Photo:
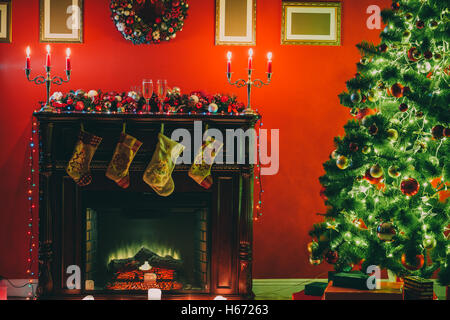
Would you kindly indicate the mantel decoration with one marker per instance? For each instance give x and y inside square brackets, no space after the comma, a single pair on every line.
[149,21]
[97,101]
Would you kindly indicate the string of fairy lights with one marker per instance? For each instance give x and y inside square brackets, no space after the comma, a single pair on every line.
[31,190]
[259,205]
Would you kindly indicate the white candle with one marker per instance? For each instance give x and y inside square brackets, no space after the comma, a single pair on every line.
[154,294]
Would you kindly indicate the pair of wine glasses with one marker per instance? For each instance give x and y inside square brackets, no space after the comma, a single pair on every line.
[148,89]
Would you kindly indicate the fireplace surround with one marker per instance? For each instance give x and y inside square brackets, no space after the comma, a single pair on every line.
[199,241]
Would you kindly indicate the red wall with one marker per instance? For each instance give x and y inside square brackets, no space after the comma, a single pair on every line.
[302,102]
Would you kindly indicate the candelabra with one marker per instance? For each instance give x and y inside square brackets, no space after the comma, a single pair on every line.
[257,83]
[48,80]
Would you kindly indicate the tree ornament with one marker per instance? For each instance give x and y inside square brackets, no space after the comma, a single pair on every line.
[438,132]
[433,24]
[437,57]
[386,231]
[393,172]
[406,35]
[429,242]
[373,95]
[420,24]
[371,179]
[322,194]
[373,129]
[406,91]
[334,154]
[353,147]
[428,55]
[331,256]
[419,114]
[355,97]
[403,107]
[364,60]
[410,187]
[315,261]
[342,162]
[383,48]
[397,90]
[366,150]
[392,134]
[419,261]
[312,246]
[413,54]
[420,146]
[409,16]
[423,66]
[376,171]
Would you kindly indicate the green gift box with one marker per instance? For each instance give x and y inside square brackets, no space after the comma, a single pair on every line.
[351,280]
[315,288]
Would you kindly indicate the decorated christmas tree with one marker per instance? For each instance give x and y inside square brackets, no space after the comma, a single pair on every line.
[386,183]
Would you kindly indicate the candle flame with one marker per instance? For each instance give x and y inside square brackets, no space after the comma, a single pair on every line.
[269,56]
[68,52]
[250,52]
[28,52]
[229,55]
[48,48]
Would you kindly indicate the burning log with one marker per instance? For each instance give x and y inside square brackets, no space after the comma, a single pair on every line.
[133,264]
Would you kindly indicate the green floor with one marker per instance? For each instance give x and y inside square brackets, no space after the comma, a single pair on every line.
[282,289]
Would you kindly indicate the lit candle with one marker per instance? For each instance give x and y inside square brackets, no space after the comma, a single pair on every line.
[48,64]
[229,55]
[250,59]
[28,58]
[154,294]
[68,64]
[269,62]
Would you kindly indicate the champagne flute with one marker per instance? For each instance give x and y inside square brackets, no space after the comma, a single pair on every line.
[161,92]
[147,93]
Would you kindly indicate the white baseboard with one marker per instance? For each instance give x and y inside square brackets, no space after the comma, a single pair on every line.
[19,287]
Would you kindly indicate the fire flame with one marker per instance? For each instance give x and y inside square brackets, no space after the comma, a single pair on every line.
[130,250]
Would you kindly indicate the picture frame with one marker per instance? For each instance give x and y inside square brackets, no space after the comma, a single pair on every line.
[311,23]
[235,23]
[5,22]
[61,21]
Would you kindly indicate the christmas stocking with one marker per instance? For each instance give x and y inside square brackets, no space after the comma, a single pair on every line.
[78,167]
[201,168]
[158,174]
[118,169]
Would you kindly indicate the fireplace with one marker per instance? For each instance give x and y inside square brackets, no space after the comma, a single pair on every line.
[194,244]
[143,241]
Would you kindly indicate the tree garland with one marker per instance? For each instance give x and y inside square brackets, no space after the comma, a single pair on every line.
[149,21]
[132,102]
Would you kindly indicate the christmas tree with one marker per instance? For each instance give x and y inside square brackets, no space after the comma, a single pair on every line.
[386,183]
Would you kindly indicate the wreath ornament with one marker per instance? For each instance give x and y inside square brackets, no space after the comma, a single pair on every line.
[149,21]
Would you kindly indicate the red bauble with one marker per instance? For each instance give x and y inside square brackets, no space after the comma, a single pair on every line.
[413,54]
[79,106]
[410,187]
[383,47]
[386,231]
[403,107]
[419,262]
[438,132]
[322,194]
[353,147]
[331,257]
[397,90]
[447,132]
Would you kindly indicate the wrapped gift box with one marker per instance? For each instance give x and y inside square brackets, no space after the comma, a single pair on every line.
[417,288]
[302,296]
[354,280]
[316,288]
[388,291]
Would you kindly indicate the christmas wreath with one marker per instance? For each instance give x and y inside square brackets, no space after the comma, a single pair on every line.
[132,102]
[149,21]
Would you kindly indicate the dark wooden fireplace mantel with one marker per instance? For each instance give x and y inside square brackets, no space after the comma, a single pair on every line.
[62,225]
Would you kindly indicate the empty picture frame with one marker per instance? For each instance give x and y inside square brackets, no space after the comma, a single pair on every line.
[311,23]
[5,21]
[236,22]
[61,21]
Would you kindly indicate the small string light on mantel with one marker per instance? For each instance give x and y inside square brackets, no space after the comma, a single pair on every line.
[31,187]
[259,205]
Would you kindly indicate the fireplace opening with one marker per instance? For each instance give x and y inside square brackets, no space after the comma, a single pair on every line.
[143,242]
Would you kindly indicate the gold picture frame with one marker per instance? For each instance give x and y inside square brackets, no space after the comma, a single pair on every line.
[235,23]
[61,21]
[311,23]
[5,22]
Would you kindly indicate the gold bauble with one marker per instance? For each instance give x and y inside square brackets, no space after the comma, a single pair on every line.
[392,134]
[342,162]
[376,171]
[393,172]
